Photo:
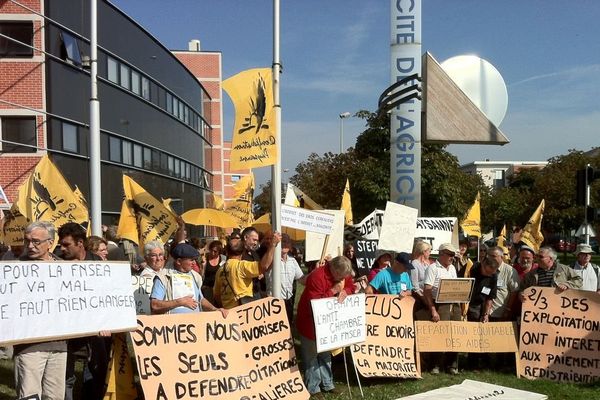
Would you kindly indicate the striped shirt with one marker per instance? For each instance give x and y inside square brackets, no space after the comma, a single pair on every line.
[545,276]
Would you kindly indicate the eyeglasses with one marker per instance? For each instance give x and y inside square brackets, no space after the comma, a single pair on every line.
[36,242]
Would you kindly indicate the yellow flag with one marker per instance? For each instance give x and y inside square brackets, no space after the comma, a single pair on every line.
[254,143]
[532,233]
[471,225]
[13,227]
[215,201]
[303,200]
[127,228]
[120,380]
[47,196]
[241,206]
[290,197]
[501,240]
[153,220]
[347,204]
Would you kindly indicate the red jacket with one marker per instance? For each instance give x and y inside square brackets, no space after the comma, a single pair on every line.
[319,284]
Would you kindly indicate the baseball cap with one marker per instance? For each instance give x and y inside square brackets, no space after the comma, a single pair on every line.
[447,247]
[404,259]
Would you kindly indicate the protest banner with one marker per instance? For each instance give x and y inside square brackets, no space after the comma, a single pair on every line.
[389,348]
[457,290]
[560,335]
[476,390]
[306,220]
[142,287]
[466,337]
[318,244]
[436,231]
[339,324]
[247,356]
[364,251]
[368,228]
[398,230]
[48,300]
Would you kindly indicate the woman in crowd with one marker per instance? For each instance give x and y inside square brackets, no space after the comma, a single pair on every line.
[420,262]
[98,246]
[382,261]
[214,260]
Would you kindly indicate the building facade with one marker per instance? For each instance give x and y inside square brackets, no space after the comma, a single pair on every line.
[495,174]
[156,117]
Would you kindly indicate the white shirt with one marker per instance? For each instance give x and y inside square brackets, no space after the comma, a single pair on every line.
[588,275]
[508,282]
[290,271]
[435,272]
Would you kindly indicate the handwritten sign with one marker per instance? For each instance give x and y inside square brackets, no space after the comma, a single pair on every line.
[306,220]
[339,324]
[457,290]
[142,287]
[249,355]
[466,337]
[365,250]
[436,231]
[40,300]
[398,230]
[560,335]
[315,242]
[389,348]
[368,228]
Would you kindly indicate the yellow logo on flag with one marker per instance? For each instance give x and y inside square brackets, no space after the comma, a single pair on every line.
[254,142]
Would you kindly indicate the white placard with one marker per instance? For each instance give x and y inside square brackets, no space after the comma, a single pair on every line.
[306,220]
[369,228]
[436,231]
[47,300]
[335,245]
[339,324]
[398,229]
[142,287]
[470,389]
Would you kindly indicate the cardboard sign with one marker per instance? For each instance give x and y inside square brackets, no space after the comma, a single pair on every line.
[339,324]
[398,230]
[475,390]
[436,231]
[248,355]
[142,287]
[560,335]
[466,337]
[306,220]
[457,290]
[48,300]
[335,242]
[364,251]
[389,348]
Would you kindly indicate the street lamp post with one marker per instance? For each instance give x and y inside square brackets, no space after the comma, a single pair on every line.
[342,117]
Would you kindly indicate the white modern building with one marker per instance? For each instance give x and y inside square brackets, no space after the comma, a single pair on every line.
[495,174]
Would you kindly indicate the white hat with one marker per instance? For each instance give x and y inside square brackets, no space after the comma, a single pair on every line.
[584,248]
[448,247]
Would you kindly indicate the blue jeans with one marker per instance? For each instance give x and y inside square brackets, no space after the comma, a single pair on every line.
[317,366]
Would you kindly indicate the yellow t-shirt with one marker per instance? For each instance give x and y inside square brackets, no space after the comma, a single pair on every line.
[234,281]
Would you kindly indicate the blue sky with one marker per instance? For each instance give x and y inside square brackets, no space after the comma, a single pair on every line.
[335,55]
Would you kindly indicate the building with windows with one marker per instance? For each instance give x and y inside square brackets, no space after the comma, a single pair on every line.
[156,117]
[495,174]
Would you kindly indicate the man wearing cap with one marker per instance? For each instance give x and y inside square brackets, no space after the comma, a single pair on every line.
[442,269]
[550,273]
[394,279]
[584,268]
[525,262]
[177,290]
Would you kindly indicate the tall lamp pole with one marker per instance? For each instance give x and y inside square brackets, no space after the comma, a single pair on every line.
[343,116]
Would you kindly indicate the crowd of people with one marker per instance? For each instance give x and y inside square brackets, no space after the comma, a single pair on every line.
[194,276]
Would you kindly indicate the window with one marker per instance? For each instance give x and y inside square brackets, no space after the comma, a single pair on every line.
[171,166]
[137,155]
[135,82]
[169,103]
[147,158]
[235,178]
[69,138]
[70,49]
[125,76]
[145,88]
[114,149]
[113,70]
[20,130]
[127,159]
[177,168]
[20,31]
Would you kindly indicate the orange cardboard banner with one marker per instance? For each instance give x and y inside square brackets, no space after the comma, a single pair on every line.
[389,350]
[560,335]
[247,356]
[466,337]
